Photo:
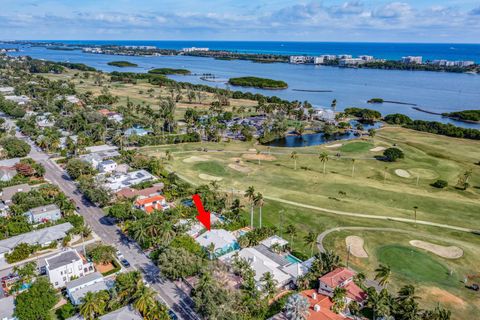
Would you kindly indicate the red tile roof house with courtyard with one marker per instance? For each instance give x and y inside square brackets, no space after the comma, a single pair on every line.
[342,277]
[148,204]
[320,306]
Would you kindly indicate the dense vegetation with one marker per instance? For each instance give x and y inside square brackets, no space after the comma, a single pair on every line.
[364,114]
[36,302]
[255,82]
[167,71]
[375,100]
[397,119]
[466,115]
[122,64]
[444,129]
[14,147]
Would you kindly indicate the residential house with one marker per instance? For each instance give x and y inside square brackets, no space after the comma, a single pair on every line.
[7,173]
[96,157]
[66,266]
[107,166]
[274,240]
[342,277]
[130,193]
[262,259]
[44,214]
[20,100]
[78,288]
[120,181]
[101,148]
[148,204]
[111,115]
[223,242]
[7,308]
[7,90]
[412,59]
[320,308]
[125,313]
[137,131]
[42,237]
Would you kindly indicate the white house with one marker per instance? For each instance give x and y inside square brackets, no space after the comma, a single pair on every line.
[7,308]
[66,266]
[122,180]
[412,59]
[107,166]
[43,214]
[223,242]
[42,237]
[78,288]
[21,100]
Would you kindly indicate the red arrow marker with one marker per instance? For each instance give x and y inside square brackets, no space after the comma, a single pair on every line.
[203,216]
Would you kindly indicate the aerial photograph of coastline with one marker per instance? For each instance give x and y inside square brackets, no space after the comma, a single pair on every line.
[237,160]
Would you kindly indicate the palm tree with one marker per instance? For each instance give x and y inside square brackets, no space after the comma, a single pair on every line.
[144,300]
[211,250]
[297,307]
[310,240]
[338,299]
[324,159]
[250,194]
[334,104]
[294,156]
[93,304]
[353,167]
[292,231]
[330,260]
[258,156]
[269,284]
[383,274]
[259,203]
[374,301]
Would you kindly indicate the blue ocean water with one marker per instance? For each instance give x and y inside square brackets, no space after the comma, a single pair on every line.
[394,51]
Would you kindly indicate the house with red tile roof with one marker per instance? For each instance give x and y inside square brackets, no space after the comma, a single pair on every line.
[342,277]
[320,307]
[149,204]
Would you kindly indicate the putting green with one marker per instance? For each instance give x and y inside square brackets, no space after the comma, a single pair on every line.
[357,146]
[413,264]
[211,167]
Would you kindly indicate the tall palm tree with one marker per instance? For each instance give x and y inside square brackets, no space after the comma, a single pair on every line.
[269,284]
[324,159]
[310,240]
[93,304]
[294,156]
[375,302]
[383,274]
[144,300]
[297,307]
[292,231]
[259,202]
[250,194]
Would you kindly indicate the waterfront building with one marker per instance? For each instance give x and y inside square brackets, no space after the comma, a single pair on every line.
[412,59]
[194,49]
[366,58]
[350,62]
[297,59]
[345,56]
[319,60]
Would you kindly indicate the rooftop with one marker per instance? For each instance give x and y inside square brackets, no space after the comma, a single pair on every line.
[62,259]
[324,305]
[43,209]
[7,307]
[125,313]
[143,201]
[219,237]
[84,280]
[269,242]
[8,192]
[103,147]
[41,236]
[337,276]
[131,193]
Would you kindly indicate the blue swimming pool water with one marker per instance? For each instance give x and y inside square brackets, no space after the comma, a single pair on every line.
[292,259]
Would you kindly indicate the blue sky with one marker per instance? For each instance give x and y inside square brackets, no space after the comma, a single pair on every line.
[355,20]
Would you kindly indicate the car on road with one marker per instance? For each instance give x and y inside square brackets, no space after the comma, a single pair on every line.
[125,263]
[119,255]
[172,314]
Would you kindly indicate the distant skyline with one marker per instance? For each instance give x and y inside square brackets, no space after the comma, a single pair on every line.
[261,20]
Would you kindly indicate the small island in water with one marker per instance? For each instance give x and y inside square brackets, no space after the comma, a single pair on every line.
[122,64]
[167,71]
[261,83]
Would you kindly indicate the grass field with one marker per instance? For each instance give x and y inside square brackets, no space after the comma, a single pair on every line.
[374,189]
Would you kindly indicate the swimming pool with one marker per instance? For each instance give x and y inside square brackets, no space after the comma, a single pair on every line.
[292,259]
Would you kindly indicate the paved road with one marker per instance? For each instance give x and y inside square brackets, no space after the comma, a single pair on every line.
[105,228]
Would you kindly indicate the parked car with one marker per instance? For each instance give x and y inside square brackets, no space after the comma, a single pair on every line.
[172,314]
[119,255]
[125,263]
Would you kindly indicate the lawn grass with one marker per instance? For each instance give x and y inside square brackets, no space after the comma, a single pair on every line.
[356,146]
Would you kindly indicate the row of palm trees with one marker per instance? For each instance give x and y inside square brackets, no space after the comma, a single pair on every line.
[129,289]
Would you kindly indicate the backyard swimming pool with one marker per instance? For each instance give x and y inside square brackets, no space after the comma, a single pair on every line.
[292,259]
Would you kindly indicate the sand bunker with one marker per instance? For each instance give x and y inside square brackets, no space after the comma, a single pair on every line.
[240,168]
[377,149]
[402,173]
[356,246]
[208,177]
[193,159]
[252,150]
[451,252]
[264,157]
[336,145]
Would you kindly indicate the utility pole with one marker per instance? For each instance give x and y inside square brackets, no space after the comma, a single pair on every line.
[348,254]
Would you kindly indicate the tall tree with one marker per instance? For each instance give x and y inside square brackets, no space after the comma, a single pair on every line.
[310,240]
[297,307]
[383,274]
[250,194]
[294,157]
[323,159]
[259,202]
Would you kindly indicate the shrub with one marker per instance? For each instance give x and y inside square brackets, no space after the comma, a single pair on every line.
[393,154]
[440,184]
[397,118]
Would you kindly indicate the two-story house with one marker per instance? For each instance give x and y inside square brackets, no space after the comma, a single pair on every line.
[148,204]
[43,214]
[67,266]
[342,277]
